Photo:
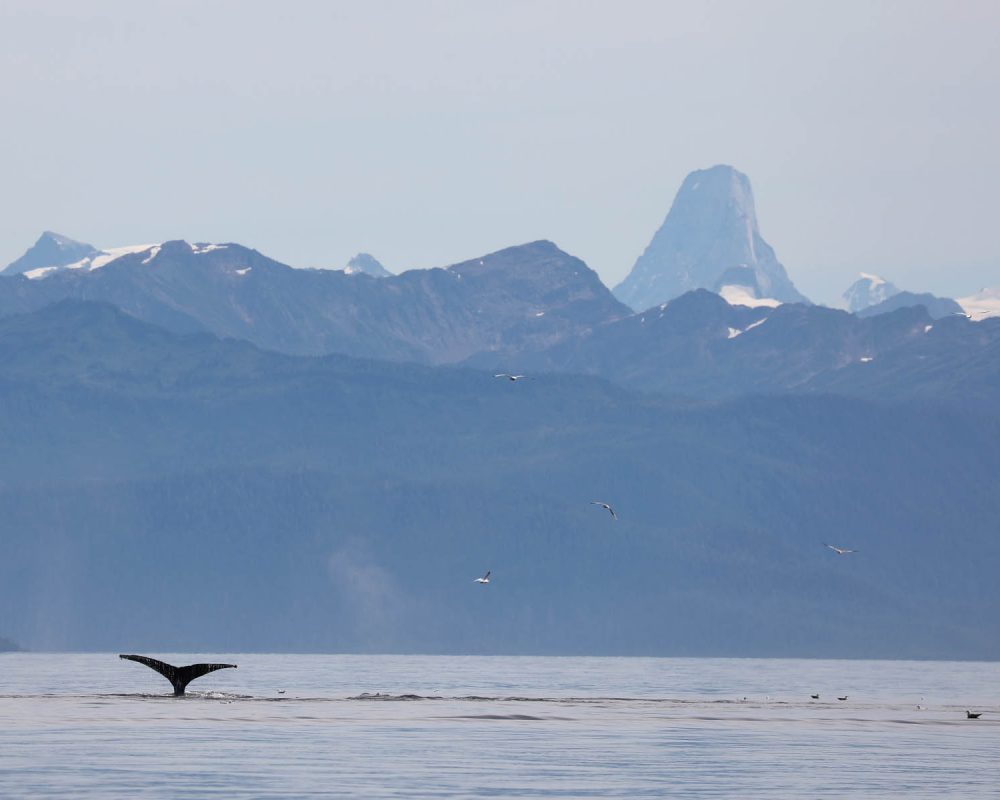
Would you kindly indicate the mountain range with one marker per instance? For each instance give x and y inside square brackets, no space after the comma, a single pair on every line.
[522,297]
[530,307]
[205,448]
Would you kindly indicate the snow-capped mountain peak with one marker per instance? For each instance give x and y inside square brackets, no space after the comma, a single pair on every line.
[54,253]
[91,262]
[868,290]
[365,263]
[52,250]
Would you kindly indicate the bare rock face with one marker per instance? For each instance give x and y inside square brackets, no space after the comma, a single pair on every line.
[711,231]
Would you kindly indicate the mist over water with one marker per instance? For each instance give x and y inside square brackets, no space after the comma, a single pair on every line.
[422,726]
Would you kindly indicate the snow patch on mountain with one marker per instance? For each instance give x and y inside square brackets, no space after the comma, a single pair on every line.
[55,247]
[90,263]
[204,247]
[743,296]
[982,305]
[113,254]
[41,272]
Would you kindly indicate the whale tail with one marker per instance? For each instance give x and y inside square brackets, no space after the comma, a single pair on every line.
[179,677]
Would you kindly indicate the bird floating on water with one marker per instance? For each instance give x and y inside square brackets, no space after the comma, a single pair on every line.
[605,506]
[842,698]
[840,551]
[508,376]
[972,715]
[485,578]
[814,696]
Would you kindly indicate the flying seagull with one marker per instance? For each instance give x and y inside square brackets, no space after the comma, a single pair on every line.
[840,551]
[609,509]
[485,578]
[180,677]
[508,376]
[971,715]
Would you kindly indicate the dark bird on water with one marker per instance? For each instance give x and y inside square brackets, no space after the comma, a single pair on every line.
[842,698]
[179,677]
[606,507]
[971,715]
[814,696]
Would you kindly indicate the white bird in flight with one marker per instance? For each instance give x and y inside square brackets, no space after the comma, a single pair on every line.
[610,510]
[485,578]
[840,551]
[508,376]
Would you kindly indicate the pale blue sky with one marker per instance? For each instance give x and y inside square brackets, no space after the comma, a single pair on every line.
[427,133]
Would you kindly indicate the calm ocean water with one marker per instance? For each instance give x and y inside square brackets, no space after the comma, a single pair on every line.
[89,726]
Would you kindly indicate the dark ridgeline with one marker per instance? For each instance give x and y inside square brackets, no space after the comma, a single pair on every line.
[699,345]
[183,491]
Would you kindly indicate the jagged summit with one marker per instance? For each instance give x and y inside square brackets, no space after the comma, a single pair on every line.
[369,265]
[711,229]
[51,250]
[868,290]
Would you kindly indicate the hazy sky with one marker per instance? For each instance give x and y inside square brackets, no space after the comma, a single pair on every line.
[428,133]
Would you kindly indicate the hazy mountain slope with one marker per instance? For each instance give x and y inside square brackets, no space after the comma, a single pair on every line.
[522,297]
[181,492]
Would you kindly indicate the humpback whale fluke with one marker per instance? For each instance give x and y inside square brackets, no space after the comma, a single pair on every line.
[179,677]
